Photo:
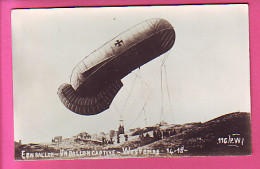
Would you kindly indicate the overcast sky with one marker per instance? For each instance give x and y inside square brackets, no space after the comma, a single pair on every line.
[206,73]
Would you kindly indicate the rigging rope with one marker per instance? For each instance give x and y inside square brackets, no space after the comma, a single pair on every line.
[129,94]
[168,89]
[137,116]
[145,118]
[161,98]
[161,67]
[117,111]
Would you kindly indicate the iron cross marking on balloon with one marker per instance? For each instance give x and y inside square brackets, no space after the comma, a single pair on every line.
[118,43]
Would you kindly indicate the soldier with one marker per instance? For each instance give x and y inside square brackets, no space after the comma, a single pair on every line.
[118,138]
[126,137]
[103,140]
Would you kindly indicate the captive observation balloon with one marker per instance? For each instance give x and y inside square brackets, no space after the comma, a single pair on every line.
[96,80]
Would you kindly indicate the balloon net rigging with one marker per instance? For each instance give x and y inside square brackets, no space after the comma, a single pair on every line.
[158,77]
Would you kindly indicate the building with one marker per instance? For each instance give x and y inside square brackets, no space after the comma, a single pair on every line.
[84,136]
[57,139]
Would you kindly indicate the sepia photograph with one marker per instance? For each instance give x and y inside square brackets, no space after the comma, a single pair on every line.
[131,82]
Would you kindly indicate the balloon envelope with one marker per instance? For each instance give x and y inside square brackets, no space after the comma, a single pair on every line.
[96,80]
